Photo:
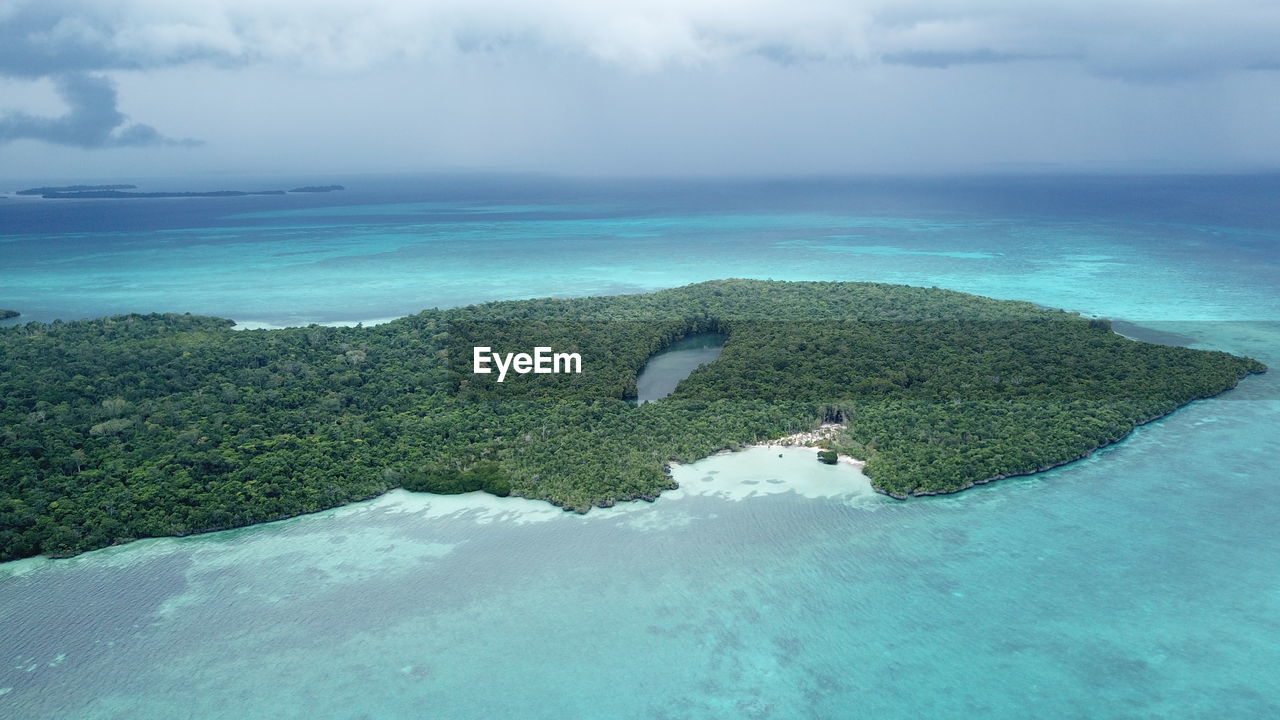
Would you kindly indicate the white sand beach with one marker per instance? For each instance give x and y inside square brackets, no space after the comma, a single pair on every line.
[810,440]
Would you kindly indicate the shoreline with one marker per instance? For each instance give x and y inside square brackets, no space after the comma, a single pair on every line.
[263,325]
[1051,466]
[807,441]
[795,441]
[595,490]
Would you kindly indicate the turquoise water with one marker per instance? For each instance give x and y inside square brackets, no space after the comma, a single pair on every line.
[664,371]
[1141,582]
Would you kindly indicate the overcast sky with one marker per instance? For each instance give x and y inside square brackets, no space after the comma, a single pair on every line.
[636,87]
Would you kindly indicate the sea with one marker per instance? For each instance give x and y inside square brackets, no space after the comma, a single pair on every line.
[1142,582]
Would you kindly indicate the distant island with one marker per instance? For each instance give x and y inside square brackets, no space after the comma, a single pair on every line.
[317,189]
[120,194]
[6,314]
[149,425]
[116,192]
[74,188]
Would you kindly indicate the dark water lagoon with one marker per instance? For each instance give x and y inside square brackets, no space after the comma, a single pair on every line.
[664,371]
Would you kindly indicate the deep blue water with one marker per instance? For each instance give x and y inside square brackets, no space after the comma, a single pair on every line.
[1142,582]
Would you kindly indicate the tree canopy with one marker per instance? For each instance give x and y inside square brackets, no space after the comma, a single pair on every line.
[149,425]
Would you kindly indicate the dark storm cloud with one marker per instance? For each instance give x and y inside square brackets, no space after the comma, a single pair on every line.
[616,84]
[57,37]
[32,47]
[66,40]
[91,121]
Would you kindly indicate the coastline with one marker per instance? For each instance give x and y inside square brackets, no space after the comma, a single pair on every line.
[808,441]
[795,441]
[586,484]
[263,325]
[1045,468]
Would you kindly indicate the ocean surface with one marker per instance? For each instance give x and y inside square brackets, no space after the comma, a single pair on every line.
[1142,582]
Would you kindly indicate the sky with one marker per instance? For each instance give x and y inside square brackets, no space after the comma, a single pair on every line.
[131,88]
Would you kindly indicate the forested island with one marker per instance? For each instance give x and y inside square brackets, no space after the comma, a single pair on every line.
[6,314]
[125,192]
[126,195]
[317,189]
[74,188]
[149,425]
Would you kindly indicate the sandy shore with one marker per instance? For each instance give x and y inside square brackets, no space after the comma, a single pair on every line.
[807,440]
[258,325]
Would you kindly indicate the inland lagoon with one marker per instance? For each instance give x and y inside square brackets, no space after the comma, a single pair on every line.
[674,363]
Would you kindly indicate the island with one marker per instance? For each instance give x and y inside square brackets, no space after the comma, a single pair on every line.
[6,314]
[125,195]
[317,189]
[74,188]
[126,192]
[151,425]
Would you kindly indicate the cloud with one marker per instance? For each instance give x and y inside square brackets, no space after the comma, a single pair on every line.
[273,74]
[1130,39]
[91,121]
[944,59]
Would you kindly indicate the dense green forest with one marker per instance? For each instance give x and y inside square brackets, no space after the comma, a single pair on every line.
[148,425]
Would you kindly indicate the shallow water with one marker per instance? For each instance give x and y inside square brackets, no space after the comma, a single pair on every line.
[1141,582]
